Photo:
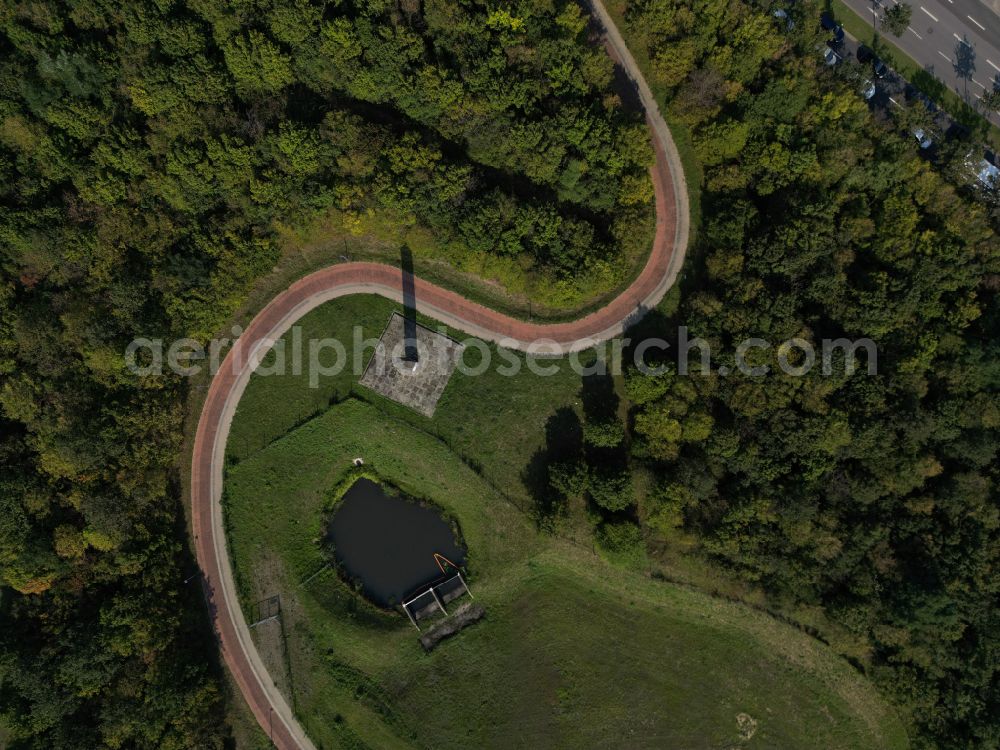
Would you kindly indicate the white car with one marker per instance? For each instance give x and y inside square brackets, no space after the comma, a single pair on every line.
[988,174]
[982,170]
[867,89]
[922,138]
[831,57]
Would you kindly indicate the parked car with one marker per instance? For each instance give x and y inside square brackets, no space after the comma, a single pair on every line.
[830,55]
[867,89]
[867,55]
[829,24]
[922,138]
[912,92]
[984,171]
[989,174]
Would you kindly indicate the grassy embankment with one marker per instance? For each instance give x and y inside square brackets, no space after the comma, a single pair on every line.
[573,651]
[514,286]
[494,422]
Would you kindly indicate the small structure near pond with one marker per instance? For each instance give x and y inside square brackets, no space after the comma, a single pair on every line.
[432,599]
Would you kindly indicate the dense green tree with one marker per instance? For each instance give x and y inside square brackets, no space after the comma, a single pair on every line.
[871,496]
[610,486]
[897,18]
[568,478]
[604,433]
[990,100]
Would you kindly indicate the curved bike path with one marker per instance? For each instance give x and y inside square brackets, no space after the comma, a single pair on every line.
[266,702]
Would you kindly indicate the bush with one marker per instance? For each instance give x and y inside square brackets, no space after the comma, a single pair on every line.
[568,478]
[608,433]
[622,541]
[611,487]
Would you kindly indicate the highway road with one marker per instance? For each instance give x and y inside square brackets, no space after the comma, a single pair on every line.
[957,41]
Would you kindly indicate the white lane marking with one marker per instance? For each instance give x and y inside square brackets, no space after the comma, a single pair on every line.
[961,40]
[929,13]
[894,101]
[976,22]
[993,66]
[978,83]
[944,55]
[914,33]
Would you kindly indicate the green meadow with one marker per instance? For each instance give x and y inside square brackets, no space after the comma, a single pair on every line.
[573,651]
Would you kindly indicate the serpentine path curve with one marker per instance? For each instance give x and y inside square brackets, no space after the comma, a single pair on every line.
[669,246]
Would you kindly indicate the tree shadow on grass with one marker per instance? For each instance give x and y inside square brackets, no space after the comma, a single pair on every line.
[661,340]
[600,402]
[563,442]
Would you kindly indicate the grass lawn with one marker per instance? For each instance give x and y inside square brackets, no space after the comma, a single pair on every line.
[496,423]
[572,653]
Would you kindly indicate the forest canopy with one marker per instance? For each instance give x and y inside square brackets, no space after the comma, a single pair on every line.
[874,498]
[147,152]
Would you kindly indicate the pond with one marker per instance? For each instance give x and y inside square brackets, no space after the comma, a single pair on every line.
[387,542]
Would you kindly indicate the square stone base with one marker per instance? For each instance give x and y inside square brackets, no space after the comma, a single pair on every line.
[417,382]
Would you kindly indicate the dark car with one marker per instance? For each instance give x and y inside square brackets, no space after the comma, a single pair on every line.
[911,93]
[827,22]
[867,55]
[958,132]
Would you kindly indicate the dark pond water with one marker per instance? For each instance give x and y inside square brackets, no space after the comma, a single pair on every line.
[388,542]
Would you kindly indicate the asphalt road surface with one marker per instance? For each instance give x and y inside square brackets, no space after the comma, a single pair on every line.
[957,41]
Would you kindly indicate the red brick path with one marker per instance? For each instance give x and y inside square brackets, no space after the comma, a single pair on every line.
[213,427]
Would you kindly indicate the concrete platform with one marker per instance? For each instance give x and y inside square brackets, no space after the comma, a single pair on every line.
[417,382]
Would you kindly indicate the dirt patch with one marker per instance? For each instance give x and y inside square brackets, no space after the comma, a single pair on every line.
[270,636]
[270,644]
[746,725]
[464,616]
